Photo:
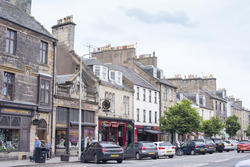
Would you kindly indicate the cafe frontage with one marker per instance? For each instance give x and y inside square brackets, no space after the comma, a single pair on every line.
[119,131]
[147,133]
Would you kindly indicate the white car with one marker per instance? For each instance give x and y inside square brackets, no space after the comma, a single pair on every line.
[165,149]
[228,146]
[235,143]
[245,163]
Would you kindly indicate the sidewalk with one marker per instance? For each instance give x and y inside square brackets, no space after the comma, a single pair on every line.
[22,163]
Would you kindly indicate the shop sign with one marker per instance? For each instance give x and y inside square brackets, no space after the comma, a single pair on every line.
[36,122]
[15,111]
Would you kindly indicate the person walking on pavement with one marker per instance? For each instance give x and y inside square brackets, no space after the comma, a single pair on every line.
[37,144]
[48,148]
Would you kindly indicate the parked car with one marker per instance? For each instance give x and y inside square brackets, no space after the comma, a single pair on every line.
[228,146]
[219,145]
[243,146]
[141,150]
[193,147]
[165,149]
[102,151]
[235,143]
[209,145]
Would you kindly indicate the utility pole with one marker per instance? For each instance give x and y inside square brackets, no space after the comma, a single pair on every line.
[80,112]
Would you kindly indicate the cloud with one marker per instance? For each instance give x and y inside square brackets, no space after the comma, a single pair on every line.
[179,18]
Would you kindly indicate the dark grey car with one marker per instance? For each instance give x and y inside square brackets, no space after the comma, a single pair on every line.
[140,150]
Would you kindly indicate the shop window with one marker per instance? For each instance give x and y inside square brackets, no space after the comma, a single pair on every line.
[43,52]
[4,121]
[15,121]
[11,41]
[9,140]
[60,138]
[61,115]
[9,85]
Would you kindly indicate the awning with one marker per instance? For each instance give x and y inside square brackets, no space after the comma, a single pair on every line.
[153,131]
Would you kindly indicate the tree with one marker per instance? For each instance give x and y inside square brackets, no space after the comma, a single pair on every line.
[232,125]
[212,127]
[181,118]
[248,131]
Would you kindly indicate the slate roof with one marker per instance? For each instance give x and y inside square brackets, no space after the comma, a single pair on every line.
[132,76]
[213,95]
[124,86]
[166,82]
[92,61]
[13,14]
[62,79]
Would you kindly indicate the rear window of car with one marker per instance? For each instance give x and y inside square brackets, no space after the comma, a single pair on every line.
[148,144]
[228,142]
[109,145]
[218,141]
[244,142]
[199,143]
[209,142]
[165,144]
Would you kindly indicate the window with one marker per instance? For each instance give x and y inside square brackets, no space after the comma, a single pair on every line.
[156,117]
[10,42]
[89,116]
[119,78]
[144,94]
[9,139]
[138,93]
[150,96]
[150,116]
[113,103]
[61,115]
[43,52]
[126,105]
[144,115]
[44,91]
[170,94]
[165,93]
[104,73]
[138,114]
[112,75]
[155,97]
[9,85]
[97,71]
[74,115]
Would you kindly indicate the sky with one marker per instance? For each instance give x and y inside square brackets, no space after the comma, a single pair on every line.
[195,37]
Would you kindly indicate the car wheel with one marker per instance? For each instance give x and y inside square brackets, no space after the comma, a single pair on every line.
[238,151]
[242,151]
[171,156]
[83,159]
[119,161]
[137,156]
[96,159]
[192,152]
[210,152]
[228,150]
[179,152]
[154,157]
[104,161]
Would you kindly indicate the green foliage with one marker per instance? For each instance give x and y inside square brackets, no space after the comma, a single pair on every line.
[181,118]
[248,131]
[232,125]
[212,127]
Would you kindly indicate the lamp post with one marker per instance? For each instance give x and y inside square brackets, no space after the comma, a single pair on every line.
[80,110]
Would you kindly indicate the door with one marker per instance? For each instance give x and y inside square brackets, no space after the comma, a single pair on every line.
[135,149]
[128,151]
[184,147]
[89,154]
[190,147]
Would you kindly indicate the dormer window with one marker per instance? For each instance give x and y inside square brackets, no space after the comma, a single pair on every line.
[97,71]
[119,78]
[104,73]
[112,75]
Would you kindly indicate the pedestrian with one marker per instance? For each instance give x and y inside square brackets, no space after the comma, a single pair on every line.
[37,144]
[48,148]
[89,141]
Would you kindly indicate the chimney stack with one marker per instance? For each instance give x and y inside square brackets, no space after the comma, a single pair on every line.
[24,5]
[64,31]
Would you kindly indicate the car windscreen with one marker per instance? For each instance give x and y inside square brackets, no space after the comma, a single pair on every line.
[148,145]
[165,144]
[109,145]
[244,142]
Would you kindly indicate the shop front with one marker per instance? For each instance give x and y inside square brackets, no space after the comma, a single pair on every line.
[147,133]
[118,131]
[14,131]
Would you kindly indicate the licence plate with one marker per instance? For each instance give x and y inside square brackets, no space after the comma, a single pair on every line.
[228,145]
[219,144]
[211,147]
[202,149]
[114,155]
[169,152]
[151,153]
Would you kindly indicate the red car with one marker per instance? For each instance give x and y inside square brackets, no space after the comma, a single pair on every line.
[243,146]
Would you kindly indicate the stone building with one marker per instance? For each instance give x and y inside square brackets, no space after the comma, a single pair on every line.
[26,84]
[114,124]
[67,93]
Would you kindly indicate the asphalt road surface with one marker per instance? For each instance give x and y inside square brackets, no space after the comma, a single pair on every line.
[225,159]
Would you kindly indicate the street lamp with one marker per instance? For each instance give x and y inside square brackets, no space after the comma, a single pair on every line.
[80,110]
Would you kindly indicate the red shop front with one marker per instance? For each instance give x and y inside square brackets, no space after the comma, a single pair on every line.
[119,132]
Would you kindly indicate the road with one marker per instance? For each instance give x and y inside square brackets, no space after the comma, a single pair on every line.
[225,159]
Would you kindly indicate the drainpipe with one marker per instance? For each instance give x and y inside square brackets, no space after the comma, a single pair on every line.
[53,91]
